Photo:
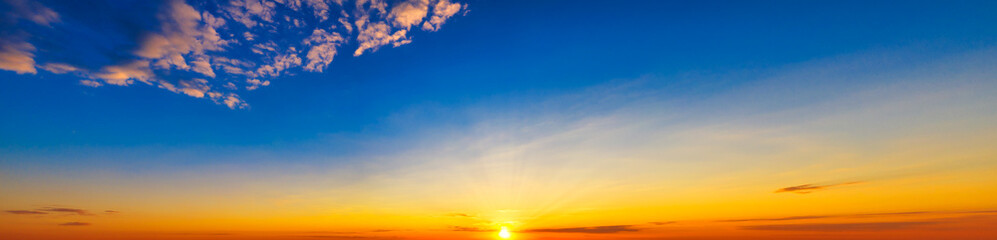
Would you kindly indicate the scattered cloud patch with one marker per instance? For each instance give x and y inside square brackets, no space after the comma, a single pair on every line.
[18,56]
[210,50]
[442,11]
[30,10]
[60,68]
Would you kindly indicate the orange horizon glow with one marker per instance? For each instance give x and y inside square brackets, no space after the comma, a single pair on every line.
[497,120]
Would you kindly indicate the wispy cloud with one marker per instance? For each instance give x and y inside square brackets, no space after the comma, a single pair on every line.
[26,212]
[662,223]
[30,10]
[840,227]
[213,50]
[66,210]
[775,219]
[861,215]
[596,229]
[470,229]
[17,55]
[808,188]
[74,224]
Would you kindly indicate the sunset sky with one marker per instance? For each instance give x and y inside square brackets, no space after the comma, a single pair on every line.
[456,119]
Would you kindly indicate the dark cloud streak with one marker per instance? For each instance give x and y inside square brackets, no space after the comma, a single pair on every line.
[808,188]
[77,224]
[67,210]
[597,229]
[26,212]
[840,227]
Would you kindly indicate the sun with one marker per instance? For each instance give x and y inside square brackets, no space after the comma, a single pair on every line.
[504,233]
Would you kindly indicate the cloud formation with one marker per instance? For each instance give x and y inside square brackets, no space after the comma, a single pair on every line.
[48,210]
[863,215]
[840,227]
[17,56]
[77,224]
[597,229]
[25,212]
[470,229]
[66,210]
[775,219]
[213,50]
[30,10]
[808,188]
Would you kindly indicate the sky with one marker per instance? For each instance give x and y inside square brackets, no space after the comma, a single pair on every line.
[454,119]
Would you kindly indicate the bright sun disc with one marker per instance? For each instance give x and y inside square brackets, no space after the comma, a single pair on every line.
[504,233]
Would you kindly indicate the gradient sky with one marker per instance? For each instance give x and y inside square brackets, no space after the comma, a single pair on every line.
[450,119]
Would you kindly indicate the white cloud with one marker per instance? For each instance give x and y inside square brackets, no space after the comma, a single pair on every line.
[201,65]
[187,53]
[90,83]
[377,34]
[32,11]
[345,22]
[408,13]
[212,21]
[248,36]
[269,47]
[320,8]
[233,101]
[182,33]
[248,11]
[368,5]
[323,49]
[256,83]
[292,4]
[60,68]
[280,63]
[17,56]
[195,88]
[123,74]
[442,10]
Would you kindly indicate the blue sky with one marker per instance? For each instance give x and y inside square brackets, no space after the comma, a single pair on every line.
[497,55]
[451,119]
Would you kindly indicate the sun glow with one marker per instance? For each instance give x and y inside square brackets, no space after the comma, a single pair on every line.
[504,233]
